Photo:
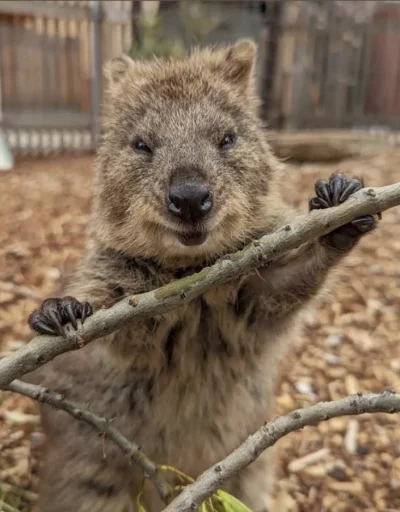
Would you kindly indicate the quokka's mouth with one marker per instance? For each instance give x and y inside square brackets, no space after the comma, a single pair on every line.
[192,238]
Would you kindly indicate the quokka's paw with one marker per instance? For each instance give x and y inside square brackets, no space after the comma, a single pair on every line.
[332,193]
[54,314]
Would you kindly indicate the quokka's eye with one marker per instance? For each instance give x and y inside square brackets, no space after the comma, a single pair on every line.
[228,141]
[140,146]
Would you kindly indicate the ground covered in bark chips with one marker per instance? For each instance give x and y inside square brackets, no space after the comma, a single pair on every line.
[351,344]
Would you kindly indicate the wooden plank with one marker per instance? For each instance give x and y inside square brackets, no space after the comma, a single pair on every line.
[324,145]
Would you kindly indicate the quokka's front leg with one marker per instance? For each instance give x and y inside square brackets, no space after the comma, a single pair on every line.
[285,285]
[332,193]
[54,313]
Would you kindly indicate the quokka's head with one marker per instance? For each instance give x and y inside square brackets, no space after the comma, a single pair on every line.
[184,168]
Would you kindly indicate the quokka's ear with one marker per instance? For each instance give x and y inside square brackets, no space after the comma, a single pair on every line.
[238,62]
[117,68]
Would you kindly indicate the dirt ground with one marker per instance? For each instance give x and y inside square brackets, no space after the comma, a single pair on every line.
[350,345]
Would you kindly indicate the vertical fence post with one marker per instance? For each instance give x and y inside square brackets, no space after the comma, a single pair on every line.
[96,20]
[270,41]
[365,72]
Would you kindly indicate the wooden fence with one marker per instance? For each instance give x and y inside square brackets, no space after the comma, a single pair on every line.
[326,63]
[41,69]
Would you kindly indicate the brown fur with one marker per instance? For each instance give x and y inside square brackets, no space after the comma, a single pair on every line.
[191,385]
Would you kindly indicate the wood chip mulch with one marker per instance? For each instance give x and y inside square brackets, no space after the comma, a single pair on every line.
[350,344]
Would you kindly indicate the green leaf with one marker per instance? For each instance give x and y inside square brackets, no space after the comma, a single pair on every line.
[230,503]
[140,507]
[202,507]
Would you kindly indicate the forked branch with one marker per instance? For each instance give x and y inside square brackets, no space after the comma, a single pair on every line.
[213,478]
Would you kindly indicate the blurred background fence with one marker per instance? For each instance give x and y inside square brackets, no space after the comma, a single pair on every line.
[322,63]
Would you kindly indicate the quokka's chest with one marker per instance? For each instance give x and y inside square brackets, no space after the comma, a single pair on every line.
[209,328]
[208,332]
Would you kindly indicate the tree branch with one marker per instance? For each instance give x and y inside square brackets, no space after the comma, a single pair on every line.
[213,478]
[102,425]
[320,222]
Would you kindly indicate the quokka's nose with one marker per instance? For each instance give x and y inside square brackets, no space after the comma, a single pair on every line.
[190,202]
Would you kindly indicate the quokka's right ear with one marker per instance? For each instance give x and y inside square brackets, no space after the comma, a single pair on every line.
[237,65]
[117,68]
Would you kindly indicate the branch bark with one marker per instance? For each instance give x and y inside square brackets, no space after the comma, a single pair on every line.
[102,425]
[320,222]
[213,478]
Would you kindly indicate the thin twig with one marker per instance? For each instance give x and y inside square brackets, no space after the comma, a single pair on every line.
[320,222]
[129,448]
[213,478]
